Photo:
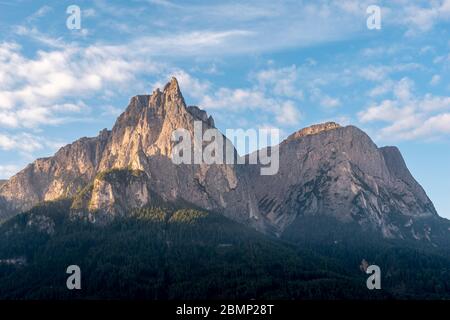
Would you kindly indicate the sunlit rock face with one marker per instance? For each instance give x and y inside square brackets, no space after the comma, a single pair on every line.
[324,169]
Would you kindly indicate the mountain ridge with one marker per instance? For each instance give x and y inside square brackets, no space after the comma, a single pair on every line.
[324,169]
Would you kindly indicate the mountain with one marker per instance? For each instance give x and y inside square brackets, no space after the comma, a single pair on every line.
[325,171]
[333,171]
[137,150]
[2,182]
[117,206]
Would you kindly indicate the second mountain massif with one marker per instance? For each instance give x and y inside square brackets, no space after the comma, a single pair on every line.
[121,209]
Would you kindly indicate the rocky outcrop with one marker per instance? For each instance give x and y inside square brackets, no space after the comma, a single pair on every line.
[314,129]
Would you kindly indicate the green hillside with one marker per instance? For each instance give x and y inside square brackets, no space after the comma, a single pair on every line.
[189,254]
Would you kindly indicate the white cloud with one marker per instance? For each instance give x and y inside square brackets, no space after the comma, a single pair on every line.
[87,13]
[164,3]
[373,73]
[251,26]
[381,89]
[402,90]
[45,89]
[41,12]
[36,35]
[378,73]
[26,143]
[190,85]
[265,95]
[329,102]
[406,116]
[288,115]
[324,100]
[194,43]
[441,59]
[423,18]
[439,124]
[282,81]
[435,79]
[110,110]
[32,88]
[35,116]
[7,171]
[68,71]
[237,99]
[387,110]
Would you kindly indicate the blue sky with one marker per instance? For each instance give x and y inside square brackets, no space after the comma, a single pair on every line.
[251,64]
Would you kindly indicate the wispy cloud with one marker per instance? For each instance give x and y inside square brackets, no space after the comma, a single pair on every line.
[41,12]
[26,143]
[7,170]
[424,16]
[42,90]
[407,116]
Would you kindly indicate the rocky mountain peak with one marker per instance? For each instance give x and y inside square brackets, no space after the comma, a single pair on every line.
[172,91]
[314,129]
[172,86]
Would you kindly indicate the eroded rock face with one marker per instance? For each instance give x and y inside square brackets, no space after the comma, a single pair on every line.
[339,171]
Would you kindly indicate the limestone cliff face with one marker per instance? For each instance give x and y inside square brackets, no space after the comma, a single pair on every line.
[339,171]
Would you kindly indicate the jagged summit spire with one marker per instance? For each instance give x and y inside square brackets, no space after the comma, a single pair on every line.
[173,93]
[172,86]
[170,94]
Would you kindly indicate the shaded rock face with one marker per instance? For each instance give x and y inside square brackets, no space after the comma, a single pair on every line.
[325,170]
[340,172]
